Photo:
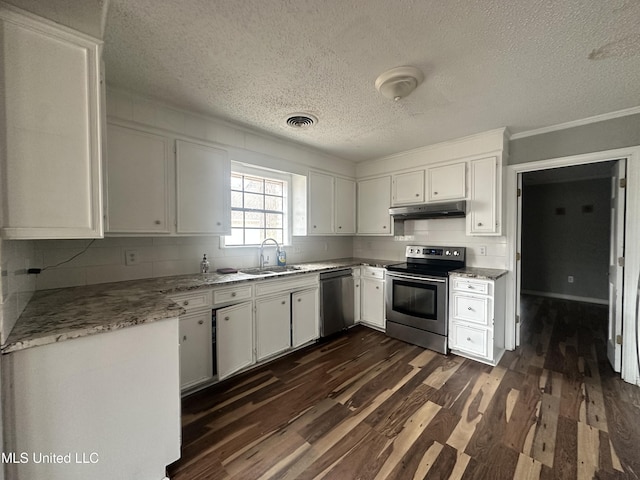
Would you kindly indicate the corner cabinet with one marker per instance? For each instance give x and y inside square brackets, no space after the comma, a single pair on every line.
[203,189]
[485,206]
[477,318]
[374,199]
[51,130]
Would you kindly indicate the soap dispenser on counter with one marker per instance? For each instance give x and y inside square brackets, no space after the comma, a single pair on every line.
[282,257]
[204,264]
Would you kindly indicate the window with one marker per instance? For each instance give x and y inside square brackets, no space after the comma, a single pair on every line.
[259,206]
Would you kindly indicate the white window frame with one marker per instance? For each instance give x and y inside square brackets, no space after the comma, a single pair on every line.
[258,171]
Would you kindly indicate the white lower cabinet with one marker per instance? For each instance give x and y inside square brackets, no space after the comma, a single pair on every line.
[477,318]
[273,325]
[304,316]
[195,348]
[234,338]
[357,287]
[372,297]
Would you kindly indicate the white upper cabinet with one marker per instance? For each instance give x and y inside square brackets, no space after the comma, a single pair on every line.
[345,206]
[51,129]
[447,182]
[321,204]
[332,205]
[203,189]
[374,200]
[137,181]
[484,217]
[408,188]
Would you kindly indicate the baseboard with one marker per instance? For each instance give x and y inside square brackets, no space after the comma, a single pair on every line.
[561,296]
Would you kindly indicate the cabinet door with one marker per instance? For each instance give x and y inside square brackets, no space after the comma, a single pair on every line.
[234,338]
[408,188]
[483,205]
[195,348]
[372,302]
[374,200]
[345,206]
[137,181]
[447,182]
[304,316]
[321,202]
[273,325]
[203,189]
[51,131]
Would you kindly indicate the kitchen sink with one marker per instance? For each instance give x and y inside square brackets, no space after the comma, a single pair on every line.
[269,270]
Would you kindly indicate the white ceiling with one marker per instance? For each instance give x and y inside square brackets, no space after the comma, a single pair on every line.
[524,64]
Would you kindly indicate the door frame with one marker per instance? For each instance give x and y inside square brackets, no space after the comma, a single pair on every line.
[630,371]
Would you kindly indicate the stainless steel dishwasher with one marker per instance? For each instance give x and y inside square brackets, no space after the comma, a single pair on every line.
[336,301]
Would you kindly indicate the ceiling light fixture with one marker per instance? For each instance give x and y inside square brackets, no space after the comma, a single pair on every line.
[399,82]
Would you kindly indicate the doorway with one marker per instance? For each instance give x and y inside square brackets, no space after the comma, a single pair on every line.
[628,297]
[570,226]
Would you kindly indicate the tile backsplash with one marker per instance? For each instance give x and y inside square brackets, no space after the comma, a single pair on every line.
[16,256]
[104,259]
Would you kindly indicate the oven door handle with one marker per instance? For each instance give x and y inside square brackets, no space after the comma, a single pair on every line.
[411,277]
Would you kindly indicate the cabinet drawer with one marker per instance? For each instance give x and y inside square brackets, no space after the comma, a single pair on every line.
[373,272]
[288,284]
[471,309]
[470,339]
[471,285]
[231,294]
[193,301]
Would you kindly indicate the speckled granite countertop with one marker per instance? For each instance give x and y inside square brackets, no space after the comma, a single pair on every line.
[66,313]
[482,273]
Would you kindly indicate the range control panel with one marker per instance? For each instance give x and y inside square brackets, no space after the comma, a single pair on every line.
[435,253]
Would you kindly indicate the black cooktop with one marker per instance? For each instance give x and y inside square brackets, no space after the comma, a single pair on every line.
[421,269]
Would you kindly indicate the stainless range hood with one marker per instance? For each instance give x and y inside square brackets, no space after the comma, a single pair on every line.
[429,210]
[426,211]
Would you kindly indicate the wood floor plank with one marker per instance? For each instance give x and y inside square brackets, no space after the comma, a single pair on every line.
[553,409]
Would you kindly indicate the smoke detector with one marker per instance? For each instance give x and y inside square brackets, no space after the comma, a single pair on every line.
[301,120]
[399,82]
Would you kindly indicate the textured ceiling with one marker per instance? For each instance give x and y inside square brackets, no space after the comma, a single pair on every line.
[524,64]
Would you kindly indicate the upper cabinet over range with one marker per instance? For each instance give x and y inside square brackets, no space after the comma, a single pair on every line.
[51,133]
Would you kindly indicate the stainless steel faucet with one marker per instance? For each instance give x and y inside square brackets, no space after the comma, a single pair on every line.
[262,249]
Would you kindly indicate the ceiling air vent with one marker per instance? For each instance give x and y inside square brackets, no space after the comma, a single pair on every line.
[301,120]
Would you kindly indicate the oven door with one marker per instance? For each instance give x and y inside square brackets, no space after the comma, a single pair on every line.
[419,302]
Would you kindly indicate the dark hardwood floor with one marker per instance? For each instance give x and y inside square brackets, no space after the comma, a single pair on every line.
[365,406]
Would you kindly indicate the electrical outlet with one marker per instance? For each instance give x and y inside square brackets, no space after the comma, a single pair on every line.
[131,257]
[482,250]
[570,279]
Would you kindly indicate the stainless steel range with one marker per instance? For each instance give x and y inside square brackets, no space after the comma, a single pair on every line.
[416,295]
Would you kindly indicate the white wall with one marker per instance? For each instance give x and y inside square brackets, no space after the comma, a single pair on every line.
[441,232]
[163,256]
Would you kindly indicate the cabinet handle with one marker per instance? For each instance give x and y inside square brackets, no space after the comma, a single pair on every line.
[226,319]
[417,194]
[233,294]
[479,224]
[340,227]
[384,227]
[157,222]
[315,226]
[200,322]
[299,299]
[357,286]
[184,338]
[470,309]
[435,193]
[468,339]
[185,303]
[377,287]
[470,286]
[283,302]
